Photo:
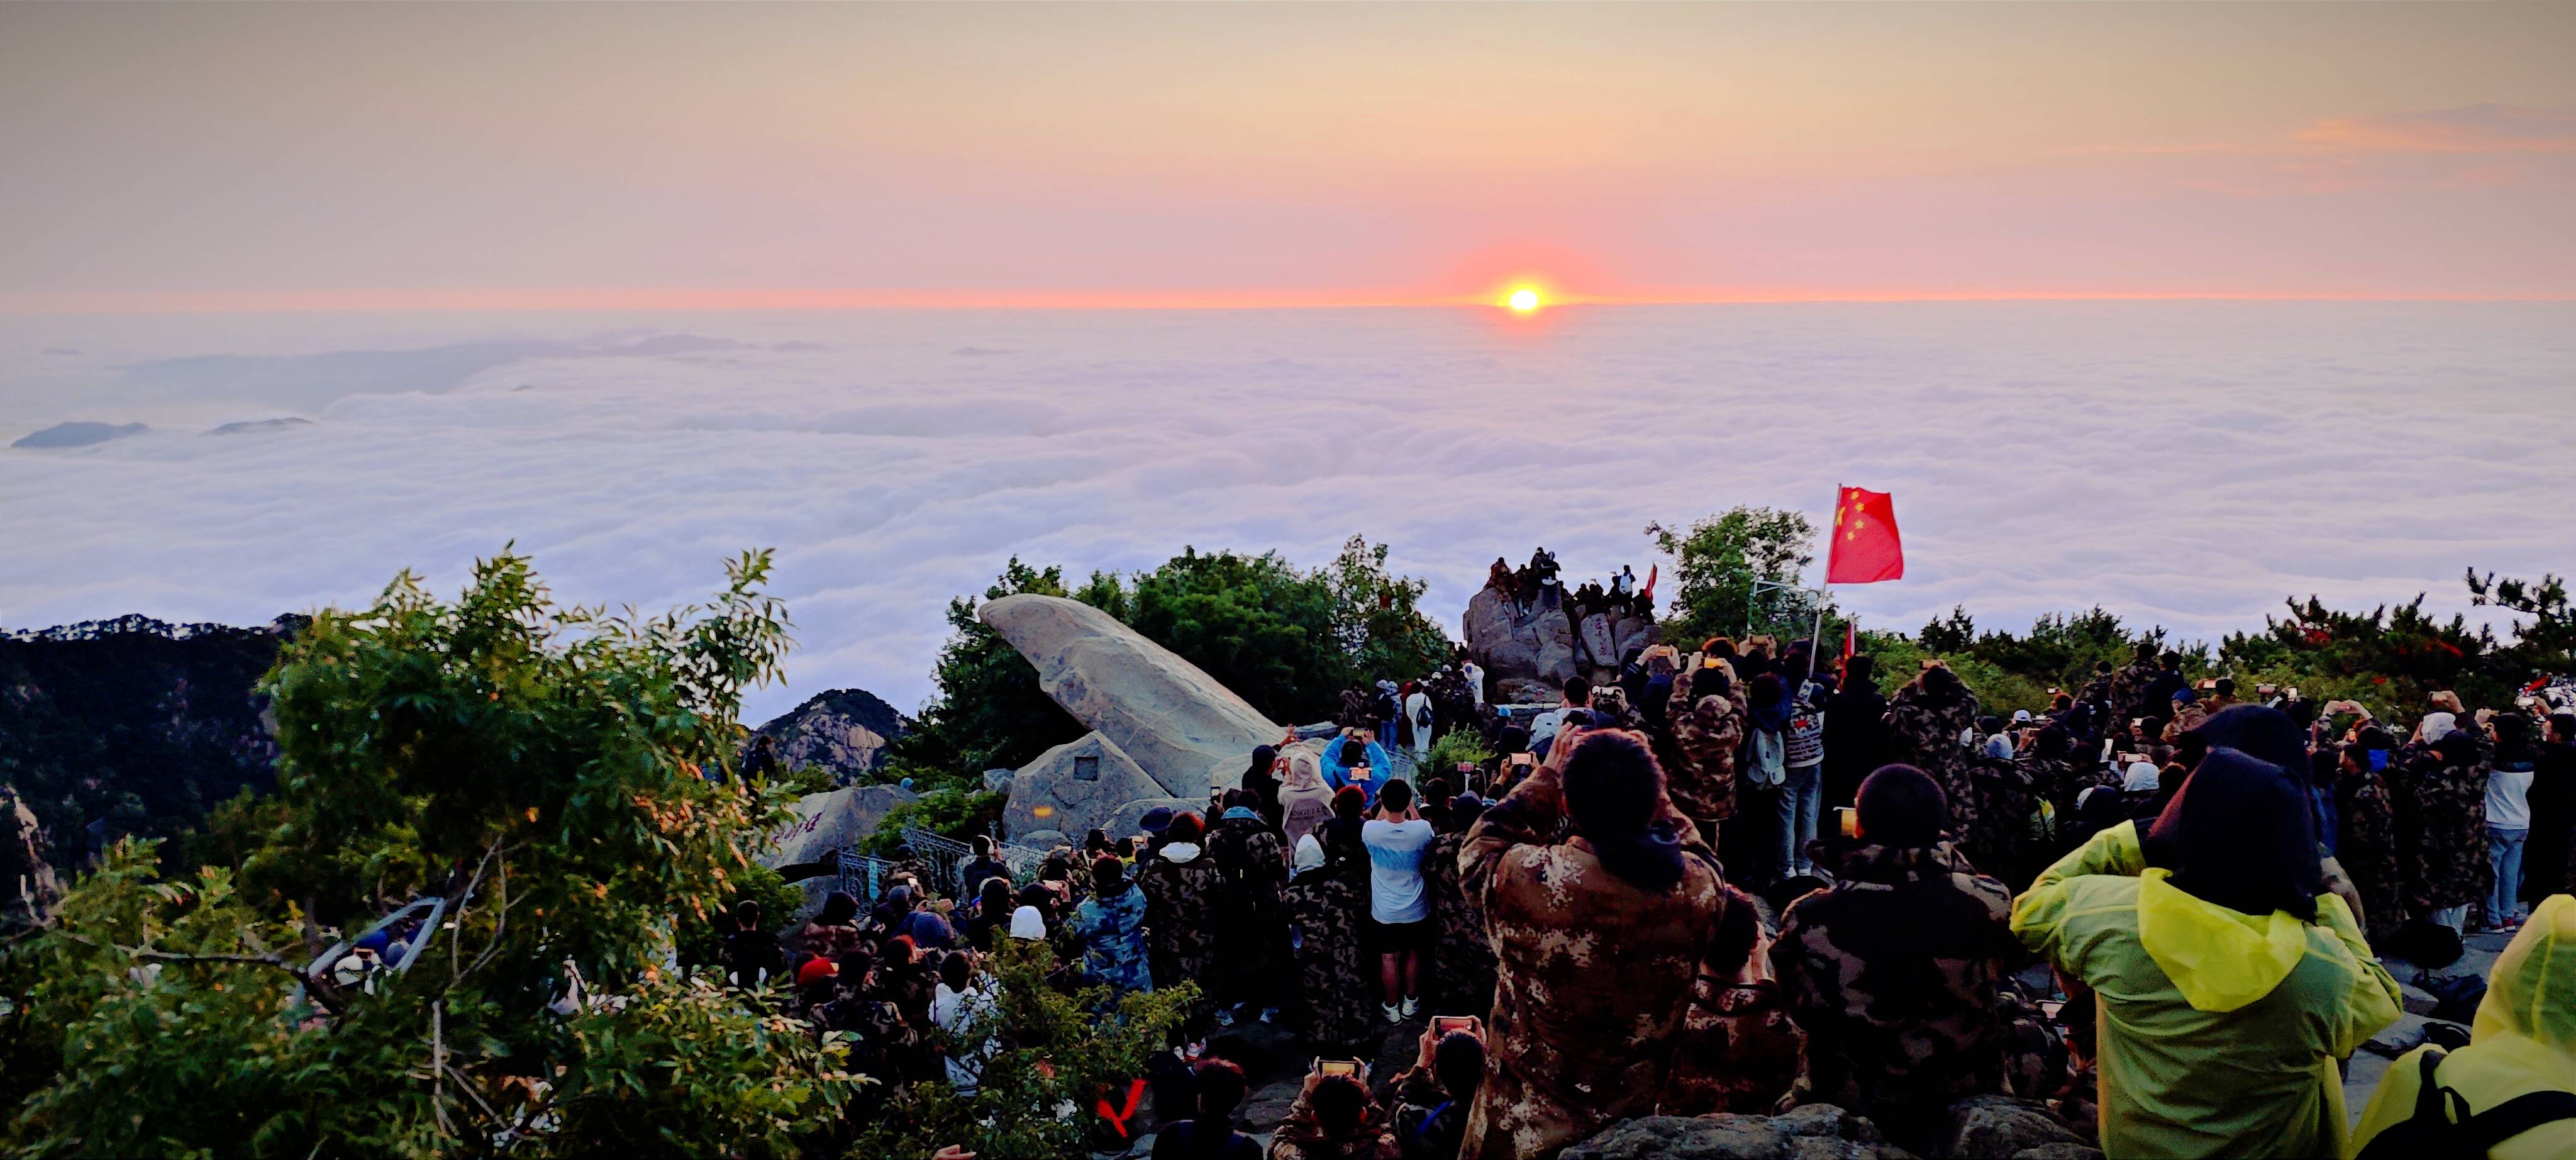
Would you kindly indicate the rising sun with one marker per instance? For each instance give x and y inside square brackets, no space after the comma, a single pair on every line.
[1523,300]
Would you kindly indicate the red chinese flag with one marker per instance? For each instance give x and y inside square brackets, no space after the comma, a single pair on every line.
[1865,548]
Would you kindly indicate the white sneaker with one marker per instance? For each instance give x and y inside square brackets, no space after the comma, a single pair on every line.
[1410,1006]
[1392,1015]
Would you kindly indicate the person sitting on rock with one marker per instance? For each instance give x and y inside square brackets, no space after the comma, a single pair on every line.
[1432,1097]
[1893,971]
[2227,980]
[1739,1049]
[1334,1119]
[2524,1043]
[1212,1135]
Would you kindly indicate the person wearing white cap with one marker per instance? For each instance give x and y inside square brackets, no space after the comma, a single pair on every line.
[1028,924]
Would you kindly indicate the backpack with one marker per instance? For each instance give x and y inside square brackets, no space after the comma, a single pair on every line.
[2456,996]
[2432,1132]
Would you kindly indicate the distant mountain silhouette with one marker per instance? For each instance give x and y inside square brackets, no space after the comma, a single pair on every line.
[79,434]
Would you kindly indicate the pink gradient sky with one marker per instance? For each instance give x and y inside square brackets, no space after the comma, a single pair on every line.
[249,156]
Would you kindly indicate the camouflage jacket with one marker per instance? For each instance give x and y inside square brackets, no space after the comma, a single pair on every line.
[2129,694]
[1182,901]
[1338,985]
[2367,847]
[1894,973]
[1740,1051]
[1462,961]
[2446,863]
[1923,729]
[1594,974]
[1709,731]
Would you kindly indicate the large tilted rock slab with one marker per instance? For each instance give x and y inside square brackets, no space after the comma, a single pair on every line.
[1186,731]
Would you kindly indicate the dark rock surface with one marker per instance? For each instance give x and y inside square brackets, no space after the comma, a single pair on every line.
[1813,1132]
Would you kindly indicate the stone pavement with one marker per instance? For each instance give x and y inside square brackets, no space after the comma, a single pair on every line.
[2361,1076]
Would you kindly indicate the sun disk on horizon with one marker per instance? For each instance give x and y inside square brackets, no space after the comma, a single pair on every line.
[1522,300]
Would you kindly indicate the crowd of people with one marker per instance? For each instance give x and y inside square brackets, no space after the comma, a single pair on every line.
[1739,880]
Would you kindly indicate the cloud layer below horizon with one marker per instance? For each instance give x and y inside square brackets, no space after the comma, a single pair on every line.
[2184,464]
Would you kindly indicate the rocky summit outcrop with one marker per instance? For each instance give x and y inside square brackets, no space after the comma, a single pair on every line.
[1813,1132]
[1609,639]
[825,822]
[1527,653]
[1185,731]
[842,731]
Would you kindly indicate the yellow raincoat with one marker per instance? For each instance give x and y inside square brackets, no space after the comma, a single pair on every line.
[2524,1041]
[2219,1031]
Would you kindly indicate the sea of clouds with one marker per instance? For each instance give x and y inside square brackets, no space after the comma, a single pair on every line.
[2189,464]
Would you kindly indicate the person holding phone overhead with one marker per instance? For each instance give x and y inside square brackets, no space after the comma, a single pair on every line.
[1597,936]
[1431,1098]
[1399,910]
[1333,1118]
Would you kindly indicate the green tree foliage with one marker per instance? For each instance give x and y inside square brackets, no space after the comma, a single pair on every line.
[1717,559]
[1049,1055]
[1378,617]
[990,712]
[1286,639]
[1258,624]
[2386,658]
[538,766]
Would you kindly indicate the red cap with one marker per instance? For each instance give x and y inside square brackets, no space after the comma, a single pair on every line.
[815,969]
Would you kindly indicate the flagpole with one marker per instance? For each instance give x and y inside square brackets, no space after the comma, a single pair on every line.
[1825,590]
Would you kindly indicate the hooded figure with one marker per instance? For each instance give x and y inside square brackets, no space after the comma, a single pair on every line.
[1706,713]
[2445,813]
[2227,985]
[1304,800]
[1027,924]
[1183,893]
[1893,970]
[1324,903]
[1924,721]
[1263,780]
[1462,961]
[1597,938]
[2524,1042]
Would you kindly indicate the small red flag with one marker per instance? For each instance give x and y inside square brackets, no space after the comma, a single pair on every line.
[1865,548]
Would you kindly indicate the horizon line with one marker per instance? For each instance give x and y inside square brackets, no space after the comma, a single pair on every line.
[725,301]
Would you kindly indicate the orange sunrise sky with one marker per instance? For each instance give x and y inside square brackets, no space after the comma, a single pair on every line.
[250,156]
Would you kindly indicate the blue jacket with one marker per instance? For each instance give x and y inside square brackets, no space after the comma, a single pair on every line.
[1113,939]
[1336,769]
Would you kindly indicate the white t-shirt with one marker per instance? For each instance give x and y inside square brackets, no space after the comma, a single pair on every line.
[1395,869]
[2508,799]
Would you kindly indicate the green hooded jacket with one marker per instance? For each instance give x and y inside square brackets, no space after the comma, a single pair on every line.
[2219,1031]
[2524,1041]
